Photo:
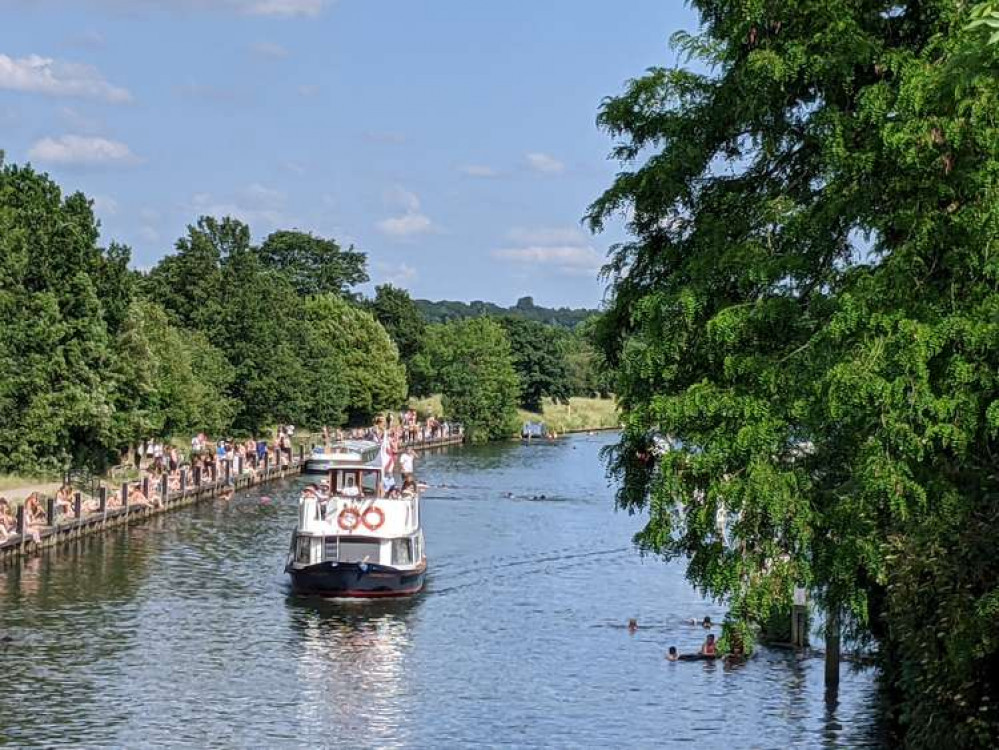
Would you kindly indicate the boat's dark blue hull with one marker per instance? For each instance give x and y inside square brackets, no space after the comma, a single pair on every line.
[355,580]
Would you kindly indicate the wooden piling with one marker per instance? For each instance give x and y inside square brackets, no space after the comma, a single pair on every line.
[832,651]
[102,496]
[50,512]
[78,505]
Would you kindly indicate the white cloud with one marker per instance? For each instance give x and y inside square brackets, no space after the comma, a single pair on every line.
[564,250]
[269,51]
[406,225]
[412,221]
[285,8]
[44,75]
[477,170]
[544,163]
[105,205]
[547,236]
[402,274]
[254,204]
[82,151]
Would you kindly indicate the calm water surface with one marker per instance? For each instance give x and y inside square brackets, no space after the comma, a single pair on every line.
[182,632]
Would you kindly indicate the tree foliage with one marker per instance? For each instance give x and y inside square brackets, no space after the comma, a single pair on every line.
[470,363]
[539,360]
[810,305]
[369,361]
[314,265]
[396,311]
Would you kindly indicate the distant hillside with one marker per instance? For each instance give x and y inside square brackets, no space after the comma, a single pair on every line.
[445,310]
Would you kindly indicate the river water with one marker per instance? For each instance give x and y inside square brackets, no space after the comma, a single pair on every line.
[181,631]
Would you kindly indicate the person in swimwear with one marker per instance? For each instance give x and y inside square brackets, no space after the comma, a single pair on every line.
[632,625]
[672,655]
[709,648]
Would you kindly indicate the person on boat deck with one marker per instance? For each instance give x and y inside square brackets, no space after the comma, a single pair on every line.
[406,461]
[350,489]
[709,648]
[673,655]
[409,487]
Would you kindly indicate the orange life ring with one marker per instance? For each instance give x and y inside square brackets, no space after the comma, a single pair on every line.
[348,518]
[377,524]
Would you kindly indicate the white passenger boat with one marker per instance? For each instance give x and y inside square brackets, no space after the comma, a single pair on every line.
[357,542]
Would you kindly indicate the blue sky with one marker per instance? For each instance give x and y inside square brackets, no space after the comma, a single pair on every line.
[454,141]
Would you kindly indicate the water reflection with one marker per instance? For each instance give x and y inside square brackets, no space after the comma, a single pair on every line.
[352,666]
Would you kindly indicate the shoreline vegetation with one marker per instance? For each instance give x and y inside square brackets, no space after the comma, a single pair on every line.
[580,414]
[225,336]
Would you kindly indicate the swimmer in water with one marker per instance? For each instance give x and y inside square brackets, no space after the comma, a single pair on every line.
[672,655]
[632,625]
[706,623]
[709,649]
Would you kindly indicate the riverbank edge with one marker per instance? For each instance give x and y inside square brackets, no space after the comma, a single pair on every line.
[72,530]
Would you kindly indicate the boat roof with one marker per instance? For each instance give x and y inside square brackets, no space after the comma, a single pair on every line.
[347,452]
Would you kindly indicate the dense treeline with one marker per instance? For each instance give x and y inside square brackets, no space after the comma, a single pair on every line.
[445,311]
[810,306]
[228,337]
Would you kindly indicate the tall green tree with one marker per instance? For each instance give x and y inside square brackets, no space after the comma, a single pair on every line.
[361,356]
[471,364]
[809,303]
[314,265]
[396,311]
[539,359]
[54,342]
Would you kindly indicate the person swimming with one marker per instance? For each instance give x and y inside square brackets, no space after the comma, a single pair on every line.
[706,623]
[672,655]
[632,625]
[709,648]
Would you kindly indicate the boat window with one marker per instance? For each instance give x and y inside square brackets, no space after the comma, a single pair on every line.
[369,483]
[402,552]
[360,550]
[304,547]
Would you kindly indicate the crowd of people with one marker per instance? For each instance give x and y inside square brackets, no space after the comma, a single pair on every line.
[160,463]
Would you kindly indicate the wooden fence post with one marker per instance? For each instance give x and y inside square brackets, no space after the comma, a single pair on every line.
[267,461]
[215,472]
[124,495]
[20,521]
[301,453]
[228,469]
[183,482]
[832,651]
[102,498]
[78,506]
[145,487]
[50,511]
[197,477]
[164,489]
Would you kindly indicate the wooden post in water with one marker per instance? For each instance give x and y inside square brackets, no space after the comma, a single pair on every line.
[102,498]
[21,522]
[78,505]
[124,495]
[799,618]
[832,651]
[183,482]
[50,511]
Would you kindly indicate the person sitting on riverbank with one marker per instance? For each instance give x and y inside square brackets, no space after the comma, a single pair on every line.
[64,501]
[709,648]
[34,513]
[672,655]
[8,524]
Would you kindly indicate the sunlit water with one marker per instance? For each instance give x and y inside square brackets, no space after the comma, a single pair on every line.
[182,632]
